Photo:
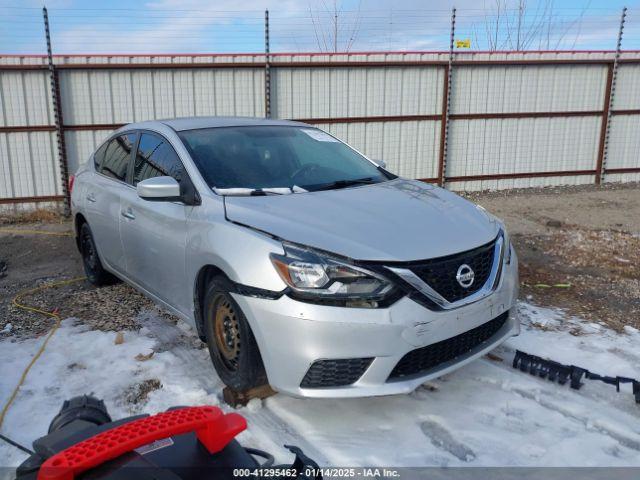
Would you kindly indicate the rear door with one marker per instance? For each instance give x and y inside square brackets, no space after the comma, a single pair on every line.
[154,232]
[102,197]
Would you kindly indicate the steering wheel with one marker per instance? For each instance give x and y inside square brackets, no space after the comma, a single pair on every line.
[302,172]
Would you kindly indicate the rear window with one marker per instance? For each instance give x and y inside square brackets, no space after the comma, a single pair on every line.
[98,157]
[117,156]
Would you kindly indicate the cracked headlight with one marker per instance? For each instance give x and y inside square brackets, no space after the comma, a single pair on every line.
[314,276]
[507,245]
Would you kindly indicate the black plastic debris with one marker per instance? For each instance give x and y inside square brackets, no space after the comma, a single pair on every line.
[558,372]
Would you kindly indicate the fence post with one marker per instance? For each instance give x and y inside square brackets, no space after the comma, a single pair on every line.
[446,99]
[57,114]
[267,68]
[605,129]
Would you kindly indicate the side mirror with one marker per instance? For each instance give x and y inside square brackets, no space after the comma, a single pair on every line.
[159,189]
[381,163]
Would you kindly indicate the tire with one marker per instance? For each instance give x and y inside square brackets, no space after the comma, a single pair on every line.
[93,268]
[232,346]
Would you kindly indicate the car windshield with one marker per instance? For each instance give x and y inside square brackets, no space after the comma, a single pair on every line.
[268,158]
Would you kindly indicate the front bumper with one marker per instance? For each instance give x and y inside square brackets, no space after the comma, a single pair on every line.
[292,335]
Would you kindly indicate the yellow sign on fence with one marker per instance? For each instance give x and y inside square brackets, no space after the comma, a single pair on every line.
[466,43]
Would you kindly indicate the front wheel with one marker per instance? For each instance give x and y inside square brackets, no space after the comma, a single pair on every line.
[232,346]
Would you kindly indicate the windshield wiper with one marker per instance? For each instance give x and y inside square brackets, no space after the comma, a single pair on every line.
[257,192]
[345,183]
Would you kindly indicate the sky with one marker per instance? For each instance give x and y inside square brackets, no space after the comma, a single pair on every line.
[232,26]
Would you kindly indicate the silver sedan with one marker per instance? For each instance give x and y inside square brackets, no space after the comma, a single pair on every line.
[301,262]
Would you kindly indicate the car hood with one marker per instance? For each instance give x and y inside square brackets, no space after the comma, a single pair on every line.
[395,221]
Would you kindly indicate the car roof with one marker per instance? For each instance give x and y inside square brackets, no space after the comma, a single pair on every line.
[193,123]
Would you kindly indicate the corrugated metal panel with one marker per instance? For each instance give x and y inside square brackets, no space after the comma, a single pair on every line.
[25,98]
[81,144]
[409,148]
[112,96]
[627,93]
[356,92]
[624,142]
[29,165]
[482,185]
[622,177]
[502,146]
[499,89]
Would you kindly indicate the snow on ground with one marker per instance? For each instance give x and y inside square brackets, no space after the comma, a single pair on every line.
[485,414]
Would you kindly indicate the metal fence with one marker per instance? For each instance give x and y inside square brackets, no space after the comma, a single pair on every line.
[469,121]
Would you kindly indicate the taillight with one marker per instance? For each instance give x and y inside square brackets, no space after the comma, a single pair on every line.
[72,179]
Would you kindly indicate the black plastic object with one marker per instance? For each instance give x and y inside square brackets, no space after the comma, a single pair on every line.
[335,373]
[180,457]
[424,359]
[85,407]
[440,273]
[558,372]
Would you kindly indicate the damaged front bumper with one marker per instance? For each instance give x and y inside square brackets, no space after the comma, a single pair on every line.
[369,352]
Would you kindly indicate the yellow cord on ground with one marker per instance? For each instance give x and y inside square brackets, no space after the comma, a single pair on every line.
[16,302]
[35,232]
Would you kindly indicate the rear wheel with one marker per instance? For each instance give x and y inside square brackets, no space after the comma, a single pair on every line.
[232,346]
[93,269]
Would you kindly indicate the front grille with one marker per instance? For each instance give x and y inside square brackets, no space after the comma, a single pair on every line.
[440,273]
[335,373]
[423,359]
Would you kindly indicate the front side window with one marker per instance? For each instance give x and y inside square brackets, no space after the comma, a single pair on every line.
[117,156]
[156,158]
[260,157]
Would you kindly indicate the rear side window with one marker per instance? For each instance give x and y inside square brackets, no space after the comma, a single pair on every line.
[98,157]
[156,158]
[117,156]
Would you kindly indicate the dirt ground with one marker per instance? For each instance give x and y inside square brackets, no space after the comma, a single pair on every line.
[579,249]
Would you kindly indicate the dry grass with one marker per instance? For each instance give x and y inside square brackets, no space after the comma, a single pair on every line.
[52,215]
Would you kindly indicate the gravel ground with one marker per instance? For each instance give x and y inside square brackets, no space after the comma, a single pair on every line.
[578,250]
[578,247]
[35,260]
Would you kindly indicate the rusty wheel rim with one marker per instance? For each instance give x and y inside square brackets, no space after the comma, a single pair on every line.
[227,333]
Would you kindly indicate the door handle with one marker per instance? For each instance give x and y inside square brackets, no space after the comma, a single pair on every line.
[128,214]
[91,197]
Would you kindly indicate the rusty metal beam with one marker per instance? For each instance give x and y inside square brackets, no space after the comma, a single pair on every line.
[56,101]
[381,118]
[27,128]
[93,127]
[505,176]
[443,127]
[628,111]
[509,115]
[604,125]
[157,66]
[622,170]
[318,64]
[21,67]
[39,199]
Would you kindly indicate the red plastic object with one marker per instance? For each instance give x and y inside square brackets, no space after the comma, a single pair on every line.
[72,179]
[213,428]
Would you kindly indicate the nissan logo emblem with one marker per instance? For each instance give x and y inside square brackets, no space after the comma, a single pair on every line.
[465,275]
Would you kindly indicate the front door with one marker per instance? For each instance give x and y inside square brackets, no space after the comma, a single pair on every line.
[154,233]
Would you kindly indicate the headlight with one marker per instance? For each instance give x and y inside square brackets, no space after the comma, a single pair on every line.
[507,245]
[315,276]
